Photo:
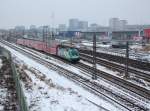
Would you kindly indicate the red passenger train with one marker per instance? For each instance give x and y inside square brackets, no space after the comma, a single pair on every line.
[39,45]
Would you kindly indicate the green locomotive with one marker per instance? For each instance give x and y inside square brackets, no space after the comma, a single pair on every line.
[69,53]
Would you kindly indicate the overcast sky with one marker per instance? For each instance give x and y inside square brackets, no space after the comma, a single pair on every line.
[39,12]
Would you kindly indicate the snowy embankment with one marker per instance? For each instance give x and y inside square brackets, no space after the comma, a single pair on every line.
[46,90]
[44,95]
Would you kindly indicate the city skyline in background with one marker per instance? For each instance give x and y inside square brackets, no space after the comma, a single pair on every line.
[75,24]
[50,12]
[67,23]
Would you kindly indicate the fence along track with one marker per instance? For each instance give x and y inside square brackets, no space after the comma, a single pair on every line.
[83,81]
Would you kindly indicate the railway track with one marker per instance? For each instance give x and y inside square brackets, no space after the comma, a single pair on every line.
[126,84]
[118,67]
[122,52]
[136,89]
[118,59]
[92,85]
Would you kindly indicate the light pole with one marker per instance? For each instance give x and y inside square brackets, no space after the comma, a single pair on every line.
[127,60]
[94,76]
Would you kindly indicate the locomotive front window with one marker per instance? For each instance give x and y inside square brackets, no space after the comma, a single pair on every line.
[74,52]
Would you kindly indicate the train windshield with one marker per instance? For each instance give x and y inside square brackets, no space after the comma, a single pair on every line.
[74,52]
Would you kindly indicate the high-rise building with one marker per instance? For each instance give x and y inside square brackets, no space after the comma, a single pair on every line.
[32,27]
[73,24]
[20,28]
[62,27]
[93,27]
[114,23]
[122,24]
[83,25]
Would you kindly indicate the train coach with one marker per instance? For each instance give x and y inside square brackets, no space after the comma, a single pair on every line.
[70,54]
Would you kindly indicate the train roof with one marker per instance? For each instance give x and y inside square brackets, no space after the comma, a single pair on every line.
[65,46]
[35,39]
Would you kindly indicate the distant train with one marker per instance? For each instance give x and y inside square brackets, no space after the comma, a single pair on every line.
[68,53]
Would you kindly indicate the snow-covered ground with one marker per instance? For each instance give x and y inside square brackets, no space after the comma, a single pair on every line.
[136,47]
[63,82]
[65,95]
[98,45]
[45,95]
